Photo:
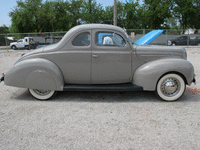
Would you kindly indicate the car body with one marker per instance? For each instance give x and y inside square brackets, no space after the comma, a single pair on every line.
[18,44]
[184,40]
[84,61]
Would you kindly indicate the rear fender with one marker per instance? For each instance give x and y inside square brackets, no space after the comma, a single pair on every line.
[148,74]
[35,73]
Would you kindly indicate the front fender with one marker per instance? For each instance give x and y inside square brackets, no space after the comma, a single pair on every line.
[148,74]
[35,73]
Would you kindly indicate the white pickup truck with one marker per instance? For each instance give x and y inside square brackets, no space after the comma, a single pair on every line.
[26,43]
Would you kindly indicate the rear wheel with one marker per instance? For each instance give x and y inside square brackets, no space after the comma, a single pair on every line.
[170,87]
[27,47]
[42,94]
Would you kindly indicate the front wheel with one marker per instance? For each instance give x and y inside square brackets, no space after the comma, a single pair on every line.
[14,47]
[173,44]
[169,43]
[42,94]
[170,87]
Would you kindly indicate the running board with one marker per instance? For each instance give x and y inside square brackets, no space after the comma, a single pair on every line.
[102,87]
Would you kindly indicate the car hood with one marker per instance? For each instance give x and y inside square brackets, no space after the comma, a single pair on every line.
[13,43]
[149,37]
[153,52]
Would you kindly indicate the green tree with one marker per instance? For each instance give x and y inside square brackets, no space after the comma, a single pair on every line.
[45,17]
[185,12]
[4,29]
[74,10]
[61,15]
[196,19]
[62,20]
[129,15]
[134,15]
[172,23]
[156,12]
[24,16]
[92,12]
[35,16]
[54,16]
[121,14]
[108,15]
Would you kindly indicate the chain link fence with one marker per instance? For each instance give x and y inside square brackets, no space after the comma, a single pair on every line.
[29,40]
[168,37]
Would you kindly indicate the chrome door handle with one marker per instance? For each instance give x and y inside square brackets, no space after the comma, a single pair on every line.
[95,56]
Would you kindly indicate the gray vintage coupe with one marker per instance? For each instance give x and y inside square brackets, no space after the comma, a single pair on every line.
[98,57]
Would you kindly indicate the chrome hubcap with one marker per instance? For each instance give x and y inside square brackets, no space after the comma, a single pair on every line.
[170,87]
[42,92]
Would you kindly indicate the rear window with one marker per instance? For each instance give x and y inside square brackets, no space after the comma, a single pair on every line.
[82,39]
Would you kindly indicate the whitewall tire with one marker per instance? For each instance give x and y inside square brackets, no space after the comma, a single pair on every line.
[42,94]
[170,87]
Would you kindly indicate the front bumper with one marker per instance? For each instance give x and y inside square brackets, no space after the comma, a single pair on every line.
[2,78]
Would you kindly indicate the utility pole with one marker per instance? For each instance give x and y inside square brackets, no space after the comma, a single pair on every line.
[115,13]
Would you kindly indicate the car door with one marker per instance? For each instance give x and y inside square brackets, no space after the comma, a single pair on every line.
[183,40]
[19,43]
[193,41]
[111,57]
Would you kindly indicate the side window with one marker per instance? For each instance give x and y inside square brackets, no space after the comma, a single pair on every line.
[183,37]
[82,39]
[193,38]
[109,39]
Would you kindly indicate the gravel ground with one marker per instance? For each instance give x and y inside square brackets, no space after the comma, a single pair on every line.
[98,120]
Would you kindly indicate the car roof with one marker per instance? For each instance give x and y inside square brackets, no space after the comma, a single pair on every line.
[97,26]
[85,27]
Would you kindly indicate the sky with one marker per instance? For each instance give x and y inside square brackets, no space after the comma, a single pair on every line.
[7,5]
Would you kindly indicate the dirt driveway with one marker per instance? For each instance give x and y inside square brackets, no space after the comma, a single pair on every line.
[98,120]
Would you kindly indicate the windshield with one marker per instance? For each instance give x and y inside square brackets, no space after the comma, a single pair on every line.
[194,37]
[19,41]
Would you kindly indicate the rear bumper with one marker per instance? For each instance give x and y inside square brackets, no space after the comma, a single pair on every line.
[194,79]
[2,78]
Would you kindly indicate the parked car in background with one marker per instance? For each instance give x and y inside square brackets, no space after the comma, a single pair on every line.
[26,43]
[184,40]
[97,57]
